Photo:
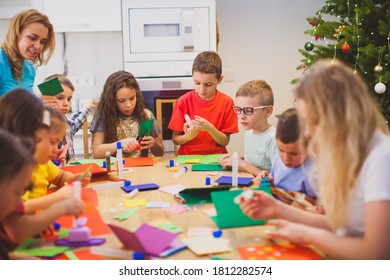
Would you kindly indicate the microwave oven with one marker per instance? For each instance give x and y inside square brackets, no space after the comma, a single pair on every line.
[162,38]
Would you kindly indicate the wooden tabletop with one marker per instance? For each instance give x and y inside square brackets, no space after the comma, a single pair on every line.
[111,204]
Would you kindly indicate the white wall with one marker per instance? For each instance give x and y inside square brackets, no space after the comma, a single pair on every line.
[259,39]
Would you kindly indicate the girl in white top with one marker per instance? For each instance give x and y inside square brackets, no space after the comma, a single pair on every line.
[343,126]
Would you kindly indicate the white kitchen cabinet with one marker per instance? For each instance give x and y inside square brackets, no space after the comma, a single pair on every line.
[82,15]
[9,8]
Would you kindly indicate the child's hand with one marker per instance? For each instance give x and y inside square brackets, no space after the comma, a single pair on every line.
[63,193]
[71,206]
[202,124]
[264,174]
[190,132]
[225,161]
[85,180]
[130,144]
[147,142]
[50,101]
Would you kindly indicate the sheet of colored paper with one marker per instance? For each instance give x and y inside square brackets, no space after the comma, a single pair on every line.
[95,223]
[207,245]
[126,214]
[147,239]
[131,203]
[80,168]
[175,209]
[181,159]
[171,228]
[84,254]
[84,161]
[227,180]
[46,252]
[207,167]
[51,88]
[278,252]
[173,189]
[141,161]
[155,240]
[229,214]
[145,128]
[200,195]
[200,231]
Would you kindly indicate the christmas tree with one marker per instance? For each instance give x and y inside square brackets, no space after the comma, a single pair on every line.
[357,33]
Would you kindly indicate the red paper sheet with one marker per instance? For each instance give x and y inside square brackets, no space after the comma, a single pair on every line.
[84,254]
[80,168]
[141,161]
[95,223]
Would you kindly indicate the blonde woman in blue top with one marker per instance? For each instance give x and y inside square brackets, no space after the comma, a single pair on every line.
[29,43]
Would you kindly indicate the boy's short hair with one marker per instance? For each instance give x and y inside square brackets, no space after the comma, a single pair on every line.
[209,63]
[257,88]
[287,128]
[62,79]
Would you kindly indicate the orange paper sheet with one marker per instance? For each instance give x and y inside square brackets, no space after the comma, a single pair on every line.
[95,223]
[278,252]
[80,168]
[141,161]
[81,255]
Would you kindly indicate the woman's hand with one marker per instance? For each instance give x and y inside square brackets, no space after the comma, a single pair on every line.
[293,232]
[260,206]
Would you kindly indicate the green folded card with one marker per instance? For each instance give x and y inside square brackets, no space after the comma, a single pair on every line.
[51,88]
[145,128]
[229,214]
[207,167]
[200,195]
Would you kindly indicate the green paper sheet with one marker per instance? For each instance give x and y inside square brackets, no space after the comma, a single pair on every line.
[182,159]
[229,214]
[145,128]
[171,228]
[207,167]
[71,255]
[126,214]
[85,161]
[200,195]
[51,88]
[47,252]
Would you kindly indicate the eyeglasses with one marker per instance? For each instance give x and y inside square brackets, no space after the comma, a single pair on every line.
[247,110]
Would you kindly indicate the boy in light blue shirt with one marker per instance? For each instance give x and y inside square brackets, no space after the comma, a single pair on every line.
[290,170]
[254,105]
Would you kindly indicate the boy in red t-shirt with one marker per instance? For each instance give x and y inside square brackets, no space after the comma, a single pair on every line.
[210,111]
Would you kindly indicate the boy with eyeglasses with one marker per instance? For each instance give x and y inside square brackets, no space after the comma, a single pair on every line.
[254,105]
[212,119]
